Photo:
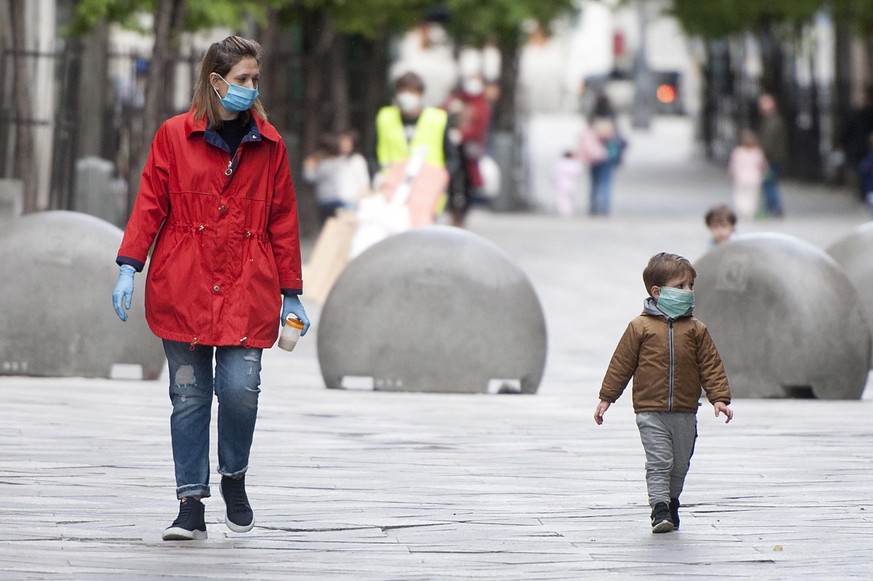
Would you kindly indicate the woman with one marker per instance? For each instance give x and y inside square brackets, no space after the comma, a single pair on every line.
[601,148]
[216,191]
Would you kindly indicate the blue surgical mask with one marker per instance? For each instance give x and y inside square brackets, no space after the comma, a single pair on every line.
[238,98]
[675,302]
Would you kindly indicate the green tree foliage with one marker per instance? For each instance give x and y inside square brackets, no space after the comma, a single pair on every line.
[714,19]
[199,14]
[476,22]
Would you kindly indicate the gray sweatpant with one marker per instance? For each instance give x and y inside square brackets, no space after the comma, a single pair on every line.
[668,439]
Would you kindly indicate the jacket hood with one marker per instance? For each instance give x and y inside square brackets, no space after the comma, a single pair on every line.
[650,307]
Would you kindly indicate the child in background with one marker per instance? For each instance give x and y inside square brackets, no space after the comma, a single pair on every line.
[322,169]
[670,356]
[722,223]
[354,175]
[747,167]
[565,175]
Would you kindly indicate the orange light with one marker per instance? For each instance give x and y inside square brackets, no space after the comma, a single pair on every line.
[666,94]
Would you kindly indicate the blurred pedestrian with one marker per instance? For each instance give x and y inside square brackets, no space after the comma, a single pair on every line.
[774,141]
[856,132]
[865,173]
[601,146]
[408,126]
[216,193]
[565,177]
[322,169]
[722,223]
[354,175]
[667,341]
[747,166]
[472,115]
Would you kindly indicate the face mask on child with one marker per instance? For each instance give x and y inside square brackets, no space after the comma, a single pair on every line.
[675,302]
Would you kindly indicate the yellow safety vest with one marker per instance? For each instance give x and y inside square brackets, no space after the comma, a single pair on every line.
[430,130]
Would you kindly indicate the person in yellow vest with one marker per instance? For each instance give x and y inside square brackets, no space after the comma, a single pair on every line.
[408,126]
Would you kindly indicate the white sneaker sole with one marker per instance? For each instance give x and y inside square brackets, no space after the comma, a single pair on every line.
[180,534]
[664,526]
[238,528]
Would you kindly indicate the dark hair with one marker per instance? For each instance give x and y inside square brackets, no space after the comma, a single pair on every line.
[602,106]
[220,58]
[409,82]
[664,267]
[721,214]
[328,143]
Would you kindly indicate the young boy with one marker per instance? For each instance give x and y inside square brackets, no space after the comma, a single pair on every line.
[722,223]
[671,356]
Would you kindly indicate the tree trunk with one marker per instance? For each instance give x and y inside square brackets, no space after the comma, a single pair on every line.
[318,37]
[339,84]
[167,103]
[5,116]
[152,114]
[274,94]
[374,90]
[771,41]
[23,168]
[505,108]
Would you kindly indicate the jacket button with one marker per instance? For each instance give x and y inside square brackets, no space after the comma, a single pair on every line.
[248,234]
[202,228]
[222,208]
[216,288]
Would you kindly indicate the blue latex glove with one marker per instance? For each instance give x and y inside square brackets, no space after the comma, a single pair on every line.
[123,292]
[292,304]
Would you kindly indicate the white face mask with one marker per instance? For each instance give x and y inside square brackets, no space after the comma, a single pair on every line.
[473,86]
[436,34]
[408,102]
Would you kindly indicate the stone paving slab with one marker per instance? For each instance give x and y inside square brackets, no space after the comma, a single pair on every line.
[390,486]
[521,487]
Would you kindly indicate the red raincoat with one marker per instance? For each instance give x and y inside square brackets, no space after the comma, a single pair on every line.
[228,241]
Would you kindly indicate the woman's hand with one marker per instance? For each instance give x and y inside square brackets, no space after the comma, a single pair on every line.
[291,305]
[123,293]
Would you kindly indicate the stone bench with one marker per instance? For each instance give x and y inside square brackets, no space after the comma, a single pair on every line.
[57,272]
[785,318]
[435,309]
[854,253]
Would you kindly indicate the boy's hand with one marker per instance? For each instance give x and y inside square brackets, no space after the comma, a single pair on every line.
[601,409]
[720,407]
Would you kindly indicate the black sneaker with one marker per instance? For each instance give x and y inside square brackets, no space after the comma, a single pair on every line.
[674,512]
[189,525]
[661,522]
[240,518]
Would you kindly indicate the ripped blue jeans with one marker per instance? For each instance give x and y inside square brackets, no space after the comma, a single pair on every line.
[235,382]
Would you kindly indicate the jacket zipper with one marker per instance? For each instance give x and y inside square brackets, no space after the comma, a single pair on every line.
[672,365]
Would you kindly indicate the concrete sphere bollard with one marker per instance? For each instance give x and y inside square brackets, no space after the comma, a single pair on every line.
[57,272]
[785,318]
[854,253]
[435,309]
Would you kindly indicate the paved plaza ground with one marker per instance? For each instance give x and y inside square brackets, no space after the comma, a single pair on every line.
[395,486]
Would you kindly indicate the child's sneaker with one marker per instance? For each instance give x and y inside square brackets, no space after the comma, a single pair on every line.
[661,522]
[240,518]
[190,524]
[674,512]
